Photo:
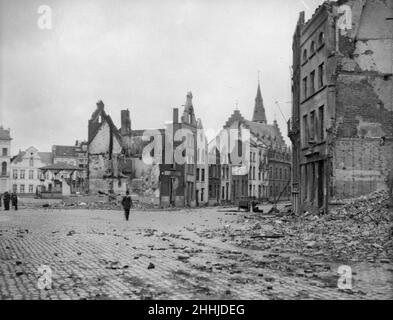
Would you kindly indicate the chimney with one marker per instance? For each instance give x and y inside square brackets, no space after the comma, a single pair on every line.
[125,131]
[100,105]
[175,115]
[125,123]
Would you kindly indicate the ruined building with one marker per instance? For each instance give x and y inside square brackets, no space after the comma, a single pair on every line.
[342,113]
[109,167]
[143,162]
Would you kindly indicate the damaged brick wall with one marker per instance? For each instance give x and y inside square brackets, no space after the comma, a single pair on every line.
[362,166]
[104,154]
[363,147]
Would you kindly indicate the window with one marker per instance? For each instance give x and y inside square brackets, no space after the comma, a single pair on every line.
[312,125]
[312,47]
[31,174]
[14,174]
[304,87]
[320,38]
[304,55]
[276,173]
[203,175]
[320,75]
[31,188]
[22,188]
[5,152]
[280,173]
[14,188]
[312,82]
[321,120]
[31,162]
[197,174]
[22,174]
[253,173]
[305,130]
[47,175]
[4,168]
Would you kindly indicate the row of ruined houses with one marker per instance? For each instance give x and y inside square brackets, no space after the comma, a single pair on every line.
[146,162]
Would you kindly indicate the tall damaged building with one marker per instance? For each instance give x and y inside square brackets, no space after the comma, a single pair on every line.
[109,164]
[342,112]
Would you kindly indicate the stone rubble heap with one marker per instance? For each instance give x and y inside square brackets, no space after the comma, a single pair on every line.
[360,230]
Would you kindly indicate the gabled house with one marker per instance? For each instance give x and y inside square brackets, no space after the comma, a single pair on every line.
[268,170]
[109,168]
[26,176]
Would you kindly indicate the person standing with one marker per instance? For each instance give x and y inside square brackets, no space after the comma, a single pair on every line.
[6,199]
[14,201]
[127,204]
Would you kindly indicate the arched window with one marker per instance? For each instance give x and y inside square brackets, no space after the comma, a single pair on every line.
[305,55]
[4,168]
[320,38]
[312,47]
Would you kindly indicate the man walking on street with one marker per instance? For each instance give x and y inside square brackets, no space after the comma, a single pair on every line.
[6,199]
[14,201]
[127,204]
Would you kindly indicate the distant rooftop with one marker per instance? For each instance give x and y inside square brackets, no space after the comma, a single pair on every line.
[5,134]
[61,166]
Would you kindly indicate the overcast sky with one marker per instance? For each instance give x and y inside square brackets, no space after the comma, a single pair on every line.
[144,56]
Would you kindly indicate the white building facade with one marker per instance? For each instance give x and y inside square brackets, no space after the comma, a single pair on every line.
[26,177]
[5,159]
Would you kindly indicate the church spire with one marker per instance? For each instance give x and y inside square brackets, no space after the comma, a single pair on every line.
[259,110]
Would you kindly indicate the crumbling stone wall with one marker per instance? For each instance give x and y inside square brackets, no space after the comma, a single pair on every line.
[361,166]
[104,173]
[363,146]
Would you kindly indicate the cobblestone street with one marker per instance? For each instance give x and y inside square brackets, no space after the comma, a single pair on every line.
[95,254]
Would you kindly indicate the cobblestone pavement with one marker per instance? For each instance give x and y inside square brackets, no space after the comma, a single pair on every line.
[95,254]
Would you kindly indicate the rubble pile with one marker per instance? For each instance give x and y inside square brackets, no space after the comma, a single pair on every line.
[359,230]
[98,202]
